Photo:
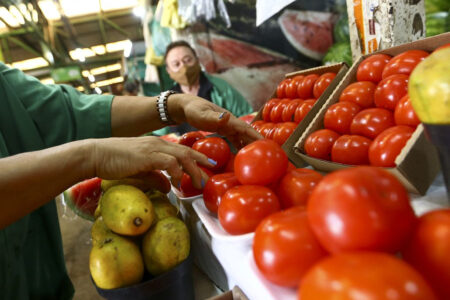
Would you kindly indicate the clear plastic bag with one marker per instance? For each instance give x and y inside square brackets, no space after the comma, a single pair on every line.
[223,13]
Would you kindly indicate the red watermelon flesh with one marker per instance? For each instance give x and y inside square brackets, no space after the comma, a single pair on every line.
[311,33]
[83,197]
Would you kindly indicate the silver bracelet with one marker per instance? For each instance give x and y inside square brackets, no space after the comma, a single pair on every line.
[161,107]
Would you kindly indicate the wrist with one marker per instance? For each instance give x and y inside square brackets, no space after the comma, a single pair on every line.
[87,158]
[175,107]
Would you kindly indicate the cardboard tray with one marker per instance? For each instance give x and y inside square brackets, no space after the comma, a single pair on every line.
[417,163]
[235,294]
[340,69]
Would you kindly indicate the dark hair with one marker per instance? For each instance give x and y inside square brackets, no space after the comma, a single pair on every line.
[176,44]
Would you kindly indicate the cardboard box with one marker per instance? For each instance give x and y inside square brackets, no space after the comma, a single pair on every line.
[340,69]
[381,24]
[235,294]
[418,162]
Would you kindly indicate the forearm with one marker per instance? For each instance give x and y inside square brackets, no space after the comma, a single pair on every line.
[31,179]
[133,116]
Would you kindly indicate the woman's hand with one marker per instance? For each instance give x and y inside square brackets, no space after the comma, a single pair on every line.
[207,116]
[116,158]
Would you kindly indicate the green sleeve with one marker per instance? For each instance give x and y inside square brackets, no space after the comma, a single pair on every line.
[60,113]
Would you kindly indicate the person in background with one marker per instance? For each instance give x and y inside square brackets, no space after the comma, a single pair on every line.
[53,136]
[183,67]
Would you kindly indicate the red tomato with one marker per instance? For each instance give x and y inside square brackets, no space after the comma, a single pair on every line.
[322,83]
[305,88]
[388,145]
[283,132]
[277,110]
[189,138]
[215,188]
[428,251]
[303,109]
[230,164]
[371,122]
[289,110]
[285,247]
[215,148]
[253,162]
[404,113]
[281,88]
[371,68]
[351,150]
[319,143]
[390,90]
[291,89]
[267,109]
[266,129]
[364,275]
[360,93]
[247,118]
[404,63]
[257,124]
[361,208]
[296,186]
[339,116]
[243,207]
[186,187]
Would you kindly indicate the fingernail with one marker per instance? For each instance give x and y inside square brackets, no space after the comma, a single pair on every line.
[179,185]
[202,183]
[222,115]
[212,161]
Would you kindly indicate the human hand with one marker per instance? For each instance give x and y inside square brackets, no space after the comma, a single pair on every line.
[116,158]
[205,115]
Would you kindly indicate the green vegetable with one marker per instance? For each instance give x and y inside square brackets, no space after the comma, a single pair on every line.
[339,52]
[432,6]
[437,23]
[340,30]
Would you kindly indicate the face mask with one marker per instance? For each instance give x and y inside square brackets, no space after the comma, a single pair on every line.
[187,75]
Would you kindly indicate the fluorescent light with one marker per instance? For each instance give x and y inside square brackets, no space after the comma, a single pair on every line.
[98,90]
[128,48]
[49,10]
[108,5]
[9,18]
[80,88]
[117,46]
[139,11]
[85,73]
[91,78]
[99,50]
[101,70]
[78,8]
[107,82]
[29,64]
[47,80]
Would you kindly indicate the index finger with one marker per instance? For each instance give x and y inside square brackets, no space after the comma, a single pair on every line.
[239,130]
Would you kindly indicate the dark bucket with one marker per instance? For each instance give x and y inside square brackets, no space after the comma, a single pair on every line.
[176,284]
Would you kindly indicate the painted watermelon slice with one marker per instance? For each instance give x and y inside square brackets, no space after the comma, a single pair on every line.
[309,32]
[83,197]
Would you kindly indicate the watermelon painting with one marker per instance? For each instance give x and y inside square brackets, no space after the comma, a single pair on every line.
[83,197]
[310,32]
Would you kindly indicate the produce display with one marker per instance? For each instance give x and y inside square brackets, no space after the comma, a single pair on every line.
[295,98]
[374,118]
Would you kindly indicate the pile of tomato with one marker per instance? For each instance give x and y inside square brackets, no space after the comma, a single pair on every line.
[374,118]
[295,98]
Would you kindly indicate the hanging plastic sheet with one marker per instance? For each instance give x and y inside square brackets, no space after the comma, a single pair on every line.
[223,13]
[267,8]
[170,17]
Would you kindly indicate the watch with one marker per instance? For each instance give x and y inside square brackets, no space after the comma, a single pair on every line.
[161,107]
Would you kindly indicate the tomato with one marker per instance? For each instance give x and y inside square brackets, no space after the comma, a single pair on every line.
[261,162]
[351,150]
[388,145]
[339,116]
[322,83]
[371,122]
[361,208]
[285,247]
[189,138]
[215,148]
[247,118]
[266,129]
[404,63]
[277,110]
[428,250]
[291,88]
[186,187]
[215,188]
[257,124]
[390,90]
[371,68]
[296,186]
[243,207]
[360,93]
[267,109]
[305,88]
[303,109]
[281,88]
[283,132]
[404,113]
[319,143]
[230,164]
[364,275]
[289,110]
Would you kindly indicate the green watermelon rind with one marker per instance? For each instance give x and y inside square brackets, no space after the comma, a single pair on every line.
[68,199]
[437,23]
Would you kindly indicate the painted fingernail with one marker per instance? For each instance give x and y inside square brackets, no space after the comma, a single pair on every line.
[179,185]
[202,183]
[222,115]
[212,161]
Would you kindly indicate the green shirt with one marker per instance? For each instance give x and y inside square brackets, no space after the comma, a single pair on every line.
[34,116]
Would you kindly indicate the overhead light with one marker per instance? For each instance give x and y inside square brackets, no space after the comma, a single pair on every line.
[99,50]
[101,70]
[29,64]
[108,5]
[49,10]
[78,54]
[8,17]
[47,80]
[107,82]
[139,11]
[78,8]
[128,48]
[80,88]
[117,46]
[98,90]
[91,78]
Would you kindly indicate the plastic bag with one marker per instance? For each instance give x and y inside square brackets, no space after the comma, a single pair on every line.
[205,8]
[223,13]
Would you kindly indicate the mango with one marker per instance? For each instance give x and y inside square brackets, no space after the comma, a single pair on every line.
[161,205]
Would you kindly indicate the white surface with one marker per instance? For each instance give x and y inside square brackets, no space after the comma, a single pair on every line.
[267,8]
[216,230]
